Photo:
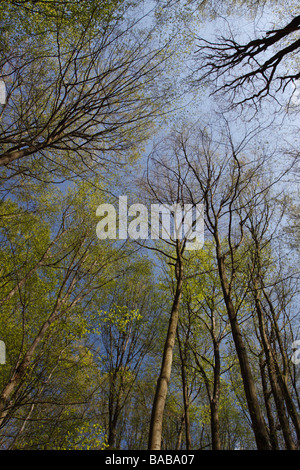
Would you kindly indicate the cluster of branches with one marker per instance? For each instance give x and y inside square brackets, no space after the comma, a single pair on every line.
[82,95]
[221,59]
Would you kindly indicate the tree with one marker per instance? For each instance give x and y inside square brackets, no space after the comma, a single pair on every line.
[156,424]
[34,301]
[158,178]
[81,96]
[125,332]
[251,70]
[222,198]
[204,304]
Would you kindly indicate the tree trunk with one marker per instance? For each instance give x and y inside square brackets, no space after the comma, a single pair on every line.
[279,402]
[214,402]
[20,370]
[185,395]
[267,395]
[282,380]
[179,437]
[114,412]
[156,423]
[259,426]
[213,393]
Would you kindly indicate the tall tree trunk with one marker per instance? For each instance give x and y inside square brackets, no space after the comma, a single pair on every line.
[182,353]
[282,378]
[213,397]
[114,413]
[267,395]
[213,393]
[279,402]
[188,438]
[179,436]
[156,423]
[258,423]
[215,425]
[214,402]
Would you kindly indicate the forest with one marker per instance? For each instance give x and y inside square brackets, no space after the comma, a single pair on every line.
[125,332]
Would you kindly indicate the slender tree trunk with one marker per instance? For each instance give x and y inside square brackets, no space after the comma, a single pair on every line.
[156,423]
[290,405]
[185,395]
[279,402]
[213,393]
[187,415]
[258,423]
[112,434]
[214,402]
[267,395]
[20,370]
[282,378]
[215,425]
[180,432]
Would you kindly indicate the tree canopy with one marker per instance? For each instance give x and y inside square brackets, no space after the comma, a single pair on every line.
[178,330]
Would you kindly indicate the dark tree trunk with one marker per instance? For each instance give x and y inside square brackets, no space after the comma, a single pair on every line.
[258,423]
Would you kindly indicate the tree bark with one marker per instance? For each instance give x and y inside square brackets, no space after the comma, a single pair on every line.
[214,402]
[282,379]
[267,395]
[185,396]
[156,423]
[279,402]
[258,423]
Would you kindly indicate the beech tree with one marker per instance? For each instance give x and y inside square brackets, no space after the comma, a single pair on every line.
[38,300]
[79,92]
[125,338]
[204,304]
[174,253]
[222,182]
